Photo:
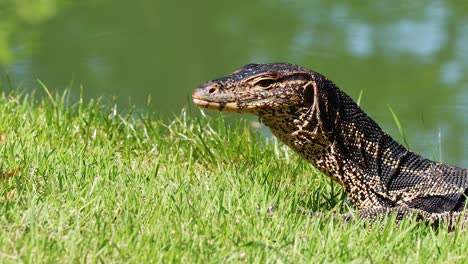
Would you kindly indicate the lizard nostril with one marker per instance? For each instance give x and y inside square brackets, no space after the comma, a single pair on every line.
[212,90]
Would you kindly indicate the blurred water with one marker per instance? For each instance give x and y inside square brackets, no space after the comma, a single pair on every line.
[409,55]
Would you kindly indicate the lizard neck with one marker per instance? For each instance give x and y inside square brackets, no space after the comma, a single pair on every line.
[341,141]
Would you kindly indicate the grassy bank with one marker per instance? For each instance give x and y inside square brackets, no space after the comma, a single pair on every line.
[84,182]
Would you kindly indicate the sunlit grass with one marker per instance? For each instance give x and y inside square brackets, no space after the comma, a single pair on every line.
[399,126]
[85,182]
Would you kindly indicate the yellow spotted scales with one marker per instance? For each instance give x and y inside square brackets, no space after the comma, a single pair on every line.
[310,114]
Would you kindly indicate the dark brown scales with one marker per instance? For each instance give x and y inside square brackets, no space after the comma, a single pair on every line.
[326,127]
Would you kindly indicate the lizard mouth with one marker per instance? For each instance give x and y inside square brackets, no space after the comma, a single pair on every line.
[226,107]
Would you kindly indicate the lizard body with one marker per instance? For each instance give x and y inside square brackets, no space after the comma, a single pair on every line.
[311,115]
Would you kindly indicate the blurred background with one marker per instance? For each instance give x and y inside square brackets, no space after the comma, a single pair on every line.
[409,55]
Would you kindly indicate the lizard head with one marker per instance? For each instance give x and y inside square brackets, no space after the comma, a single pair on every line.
[257,87]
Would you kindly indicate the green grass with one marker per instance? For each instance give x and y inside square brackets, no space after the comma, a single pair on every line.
[100,185]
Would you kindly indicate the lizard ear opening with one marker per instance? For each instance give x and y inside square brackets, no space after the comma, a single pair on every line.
[309,93]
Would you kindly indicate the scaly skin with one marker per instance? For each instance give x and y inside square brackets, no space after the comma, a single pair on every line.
[325,126]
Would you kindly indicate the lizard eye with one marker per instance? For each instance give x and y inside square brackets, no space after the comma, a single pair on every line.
[265,83]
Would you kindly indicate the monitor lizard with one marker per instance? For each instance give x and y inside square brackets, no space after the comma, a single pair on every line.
[311,115]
